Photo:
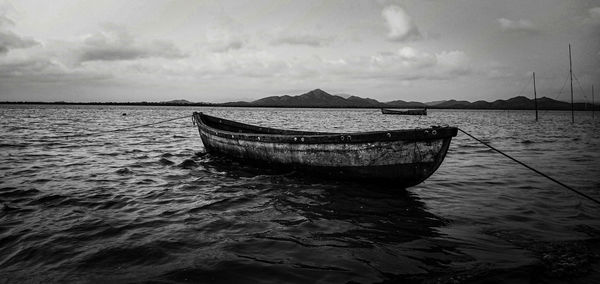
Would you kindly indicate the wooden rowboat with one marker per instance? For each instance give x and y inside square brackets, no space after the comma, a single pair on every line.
[405,112]
[407,157]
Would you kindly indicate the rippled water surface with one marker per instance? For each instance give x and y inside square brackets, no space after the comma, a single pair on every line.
[148,204]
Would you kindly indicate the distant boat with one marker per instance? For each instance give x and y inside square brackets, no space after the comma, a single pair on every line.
[405,112]
[407,157]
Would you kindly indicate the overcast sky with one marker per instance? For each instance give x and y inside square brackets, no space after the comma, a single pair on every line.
[216,51]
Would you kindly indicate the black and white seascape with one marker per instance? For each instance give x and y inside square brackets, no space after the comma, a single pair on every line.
[104,177]
[148,204]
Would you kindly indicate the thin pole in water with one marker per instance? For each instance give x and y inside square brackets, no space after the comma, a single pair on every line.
[593,104]
[535,98]
[571,73]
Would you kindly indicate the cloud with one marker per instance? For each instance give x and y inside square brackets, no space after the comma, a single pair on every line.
[32,70]
[519,26]
[593,17]
[405,58]
[112,50]
[406,64]
[594,12]
[116,44]
[453,62]
[226,44]
[9,40]
[305,39]
[226,35]
[15,68]
[5,21]
[400,24]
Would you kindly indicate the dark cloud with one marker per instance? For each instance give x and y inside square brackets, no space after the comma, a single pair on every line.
[42,70]
[9,40]
[115,44]
[21,67]
[117,52]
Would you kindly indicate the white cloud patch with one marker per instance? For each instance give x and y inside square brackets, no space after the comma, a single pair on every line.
[302,39]
[518,26]
[405,58]
[593,17]
[400,25]
[594,12]
[114,44]
[406,64]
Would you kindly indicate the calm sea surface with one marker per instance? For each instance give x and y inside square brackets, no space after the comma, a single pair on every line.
[147,204]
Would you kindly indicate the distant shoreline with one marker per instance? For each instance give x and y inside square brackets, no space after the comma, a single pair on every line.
[576,106]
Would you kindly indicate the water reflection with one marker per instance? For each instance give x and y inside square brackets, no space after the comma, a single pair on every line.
[302,228]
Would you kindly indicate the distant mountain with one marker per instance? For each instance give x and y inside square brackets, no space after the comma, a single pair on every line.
[434,103]
[546,103]
[358,101]
[315,98]
[181,102]
[320,98]
[512,103]
[453,104]
[238,103]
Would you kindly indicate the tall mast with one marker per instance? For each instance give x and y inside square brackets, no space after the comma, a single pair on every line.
[571,74]
[535,98]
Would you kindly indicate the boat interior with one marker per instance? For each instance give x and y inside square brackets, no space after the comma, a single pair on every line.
[233,126]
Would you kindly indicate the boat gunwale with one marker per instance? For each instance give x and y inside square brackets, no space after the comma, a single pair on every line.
[306,137]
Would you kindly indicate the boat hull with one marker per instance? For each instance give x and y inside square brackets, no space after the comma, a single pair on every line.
[406,160]
[404,112]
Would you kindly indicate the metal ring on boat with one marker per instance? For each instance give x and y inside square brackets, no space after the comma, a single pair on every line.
[389,135]
[342,137]
[302,139]
[349,137]
[426,131]
[433,132]
[258,138]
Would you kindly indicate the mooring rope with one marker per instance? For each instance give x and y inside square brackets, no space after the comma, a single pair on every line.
[529,167]
[118,129]
[581,88]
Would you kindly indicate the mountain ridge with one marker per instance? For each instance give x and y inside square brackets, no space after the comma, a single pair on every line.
[320,99]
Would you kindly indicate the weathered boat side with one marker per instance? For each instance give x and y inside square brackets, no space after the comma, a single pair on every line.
[405,112]
[406,156]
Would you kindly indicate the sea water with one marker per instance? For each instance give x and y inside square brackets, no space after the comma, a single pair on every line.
[148,204]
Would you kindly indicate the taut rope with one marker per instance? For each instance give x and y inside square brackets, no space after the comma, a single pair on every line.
[529,167]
